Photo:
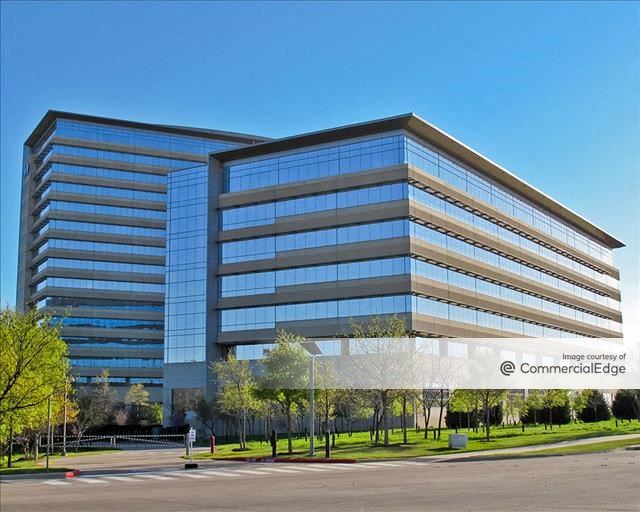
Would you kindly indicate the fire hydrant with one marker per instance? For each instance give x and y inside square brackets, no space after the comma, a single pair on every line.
[212,443]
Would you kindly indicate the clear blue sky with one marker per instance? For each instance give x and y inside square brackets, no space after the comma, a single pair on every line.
[549,90]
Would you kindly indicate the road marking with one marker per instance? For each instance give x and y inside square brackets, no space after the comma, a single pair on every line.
[390,464]
[307,468]
[342,466]
[122,478]
[154,477]
[213,472]
[188,475]
[370,465]
[56,482]
[280,470]
[91,480]
[249,472]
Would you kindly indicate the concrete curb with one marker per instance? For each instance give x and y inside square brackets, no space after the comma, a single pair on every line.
[41,475]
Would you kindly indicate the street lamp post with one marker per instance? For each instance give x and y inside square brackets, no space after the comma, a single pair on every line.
[312,412]
[314,350]
[48,430]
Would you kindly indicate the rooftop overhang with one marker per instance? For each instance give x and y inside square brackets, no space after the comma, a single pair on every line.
[441,140]
[52,115]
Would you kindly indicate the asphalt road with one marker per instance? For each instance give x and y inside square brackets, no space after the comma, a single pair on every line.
[598,481]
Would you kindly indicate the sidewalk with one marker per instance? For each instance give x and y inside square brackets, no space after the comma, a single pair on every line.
[527,449]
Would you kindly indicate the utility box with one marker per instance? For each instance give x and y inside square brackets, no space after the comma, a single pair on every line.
[458,440]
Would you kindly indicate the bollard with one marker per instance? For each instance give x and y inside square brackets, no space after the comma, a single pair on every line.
[274,443]
[327,448]
[212,443]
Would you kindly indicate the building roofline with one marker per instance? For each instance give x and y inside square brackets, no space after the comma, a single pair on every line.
[438,138]
[52,115]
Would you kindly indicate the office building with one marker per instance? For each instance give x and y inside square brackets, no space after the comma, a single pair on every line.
[394,216]
[168,247]
[92,236]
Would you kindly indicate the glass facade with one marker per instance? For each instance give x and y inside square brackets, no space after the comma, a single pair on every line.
[391,149]
[270,246]
[267,213]
[185,300]
[523,258]
[91,182]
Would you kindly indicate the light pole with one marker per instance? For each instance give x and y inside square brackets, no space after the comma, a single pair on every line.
[312,400]
[48,430]
[64,426]
[314,350]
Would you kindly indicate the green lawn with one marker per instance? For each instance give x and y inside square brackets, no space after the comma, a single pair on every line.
[603,446]
[20,465]
[359,446]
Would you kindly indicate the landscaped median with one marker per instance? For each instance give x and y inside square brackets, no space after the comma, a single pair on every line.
[21,466]
[359,446]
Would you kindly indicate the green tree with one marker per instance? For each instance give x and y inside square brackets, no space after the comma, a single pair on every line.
[153,414]
[462,401]
[596,407]
[578,401]
[551,398]
[237,392]
[33,368]
[380,328]
[286,376]
[208,412]
[137,398]
[626,404]
[533,403]
[95,406]
[488,399]
[33,361]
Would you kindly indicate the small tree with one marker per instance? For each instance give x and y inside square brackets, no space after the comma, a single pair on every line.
[428,398]
[285,380]
[462,401]
[153,414]
[208,412]
[533,404]
[626,404]
[489,399]
[137,398]
[383,329]
[551,398]
[96,407]
[237,392]
[596,408]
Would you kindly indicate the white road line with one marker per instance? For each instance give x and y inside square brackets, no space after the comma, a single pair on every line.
[90,480]
[249,472]
[56,482]
[337,465]
[389,464]
[307,468]
[154,477]
[280,470]
[186,474]
[122,478]
[213,472]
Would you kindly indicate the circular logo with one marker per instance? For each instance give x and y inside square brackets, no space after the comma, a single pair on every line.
[507,368]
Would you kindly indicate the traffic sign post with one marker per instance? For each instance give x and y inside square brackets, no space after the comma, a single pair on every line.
[191,437]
